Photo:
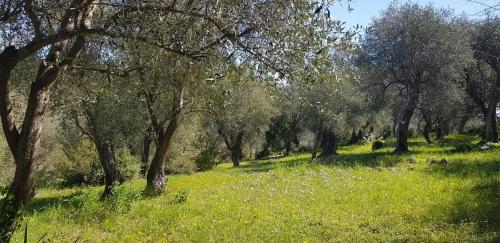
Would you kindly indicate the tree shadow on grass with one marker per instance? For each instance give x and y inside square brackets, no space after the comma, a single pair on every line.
[343,159]
[370,159]
[481,204]
[119,201]
[271,164]
[40,204]
[478,169]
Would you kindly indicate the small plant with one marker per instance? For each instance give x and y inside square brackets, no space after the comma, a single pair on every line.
[464,147]
[181,196]
[377,145]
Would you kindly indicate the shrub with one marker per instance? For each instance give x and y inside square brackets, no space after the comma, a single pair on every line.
[377,145]
[207,159]
[181,165]
[475,131]
[464,147]
[82,166]
[128,164]
[122,198]
[305,149]
[263,154]
[181,196]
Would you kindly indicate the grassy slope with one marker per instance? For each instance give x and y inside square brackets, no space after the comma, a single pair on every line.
[364,196]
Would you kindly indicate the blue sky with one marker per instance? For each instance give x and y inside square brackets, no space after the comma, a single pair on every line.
[365,10]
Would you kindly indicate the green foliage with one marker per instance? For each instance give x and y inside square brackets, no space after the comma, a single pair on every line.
[464,147]
[128,164]
[181,196]
[283,130]
[207,159]
[377,145]
[82,166]
[240,108]
[181,165]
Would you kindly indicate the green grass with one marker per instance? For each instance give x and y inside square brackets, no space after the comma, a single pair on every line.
[359,196]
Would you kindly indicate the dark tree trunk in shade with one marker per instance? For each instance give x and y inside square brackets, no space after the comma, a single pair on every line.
[111,172]
[492,134]
[405,119]
[291,136]
[288,145]
[328,143]
[427,133]
[234,144]
[440,133]
[491,131]
[146,147]
[353,139]
[317,142]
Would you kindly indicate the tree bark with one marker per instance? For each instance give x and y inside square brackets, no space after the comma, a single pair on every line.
[442,130]
[156,179]
[353,139]
[427,133]
[237,150]
[146,146]
[24,145]
[111,172]
[405,119]
[491,117]
[329,143]
[491,131]
[317,142]
[291,136]
[288,145]
[25,150]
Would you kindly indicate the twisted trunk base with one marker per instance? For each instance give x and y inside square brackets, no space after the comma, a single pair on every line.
[111,172]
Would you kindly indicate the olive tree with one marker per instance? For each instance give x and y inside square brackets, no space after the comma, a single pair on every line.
[486,46]
[55,32]
[105,107]
[240,109]
[411,47]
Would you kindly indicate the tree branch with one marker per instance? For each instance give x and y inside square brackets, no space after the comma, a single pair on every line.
[37,26]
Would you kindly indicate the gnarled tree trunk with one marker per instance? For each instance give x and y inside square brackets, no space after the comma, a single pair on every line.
[317,142]
[156,179]
[491,131]
[111,172]
[427,133]
[237,150]
[25,150]
[146,147]
[328,143]
[291,136]
[405,119]
[24,145]
[288,145]
[234,143]
[491,126]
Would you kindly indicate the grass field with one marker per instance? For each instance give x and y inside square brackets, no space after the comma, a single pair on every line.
[359,196]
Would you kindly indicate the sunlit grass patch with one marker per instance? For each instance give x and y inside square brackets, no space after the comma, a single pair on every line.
[358,195]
